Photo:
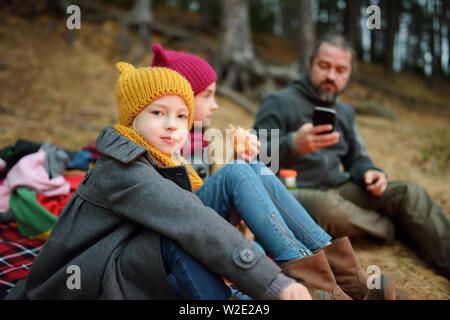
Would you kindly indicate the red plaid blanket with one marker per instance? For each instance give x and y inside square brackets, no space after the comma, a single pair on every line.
[17,254]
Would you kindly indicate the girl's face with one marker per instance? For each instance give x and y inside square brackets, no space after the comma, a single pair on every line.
[205,105]
[164,124]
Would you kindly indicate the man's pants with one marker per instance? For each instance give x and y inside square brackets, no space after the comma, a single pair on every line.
[349,210]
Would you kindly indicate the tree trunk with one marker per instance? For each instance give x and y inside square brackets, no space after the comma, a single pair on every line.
[236,40]
[438,39]
[141,16]
[305,34]
[373,45]
[444,40]
[393,15]
[236,29]
[206,15]
[288,11]
[351,23]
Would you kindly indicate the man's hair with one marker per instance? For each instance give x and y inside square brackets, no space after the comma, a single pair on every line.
[335,40]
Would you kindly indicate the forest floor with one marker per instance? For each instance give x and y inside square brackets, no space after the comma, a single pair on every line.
[50,91]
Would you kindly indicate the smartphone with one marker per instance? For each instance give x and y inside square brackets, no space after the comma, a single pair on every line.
[324,115]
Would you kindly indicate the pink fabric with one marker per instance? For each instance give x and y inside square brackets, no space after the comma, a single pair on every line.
[196,142]
[2,167]
[195,69]
[29,172]
[4,196]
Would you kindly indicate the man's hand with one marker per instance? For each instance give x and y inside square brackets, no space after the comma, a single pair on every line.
[295,291]
[308,139]
[376,182]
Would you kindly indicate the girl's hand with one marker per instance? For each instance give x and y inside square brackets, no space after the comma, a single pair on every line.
[253,149]
[295,291]
[246,145]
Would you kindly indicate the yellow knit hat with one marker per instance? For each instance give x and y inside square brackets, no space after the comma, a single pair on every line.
[137,88]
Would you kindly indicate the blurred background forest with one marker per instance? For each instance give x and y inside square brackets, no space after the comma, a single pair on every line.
[57,83]
[408,35]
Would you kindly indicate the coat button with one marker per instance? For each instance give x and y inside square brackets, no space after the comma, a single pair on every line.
[247,255]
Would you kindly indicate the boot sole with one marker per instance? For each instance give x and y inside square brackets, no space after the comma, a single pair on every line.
[386,292]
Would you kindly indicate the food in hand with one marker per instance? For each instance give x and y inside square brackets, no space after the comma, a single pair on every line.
[240,139]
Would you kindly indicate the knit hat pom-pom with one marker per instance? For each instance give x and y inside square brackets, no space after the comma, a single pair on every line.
[125,67]
[160,58]
[196,70]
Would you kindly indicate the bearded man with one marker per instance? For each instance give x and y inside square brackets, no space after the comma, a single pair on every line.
[339,184]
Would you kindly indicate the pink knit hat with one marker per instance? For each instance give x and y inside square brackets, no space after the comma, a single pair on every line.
[196,70]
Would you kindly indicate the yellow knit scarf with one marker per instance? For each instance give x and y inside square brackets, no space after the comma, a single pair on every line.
[161,158]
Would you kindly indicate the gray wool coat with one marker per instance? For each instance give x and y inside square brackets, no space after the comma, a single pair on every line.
[109,231]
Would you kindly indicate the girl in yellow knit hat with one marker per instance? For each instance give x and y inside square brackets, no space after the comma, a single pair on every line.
[134,229]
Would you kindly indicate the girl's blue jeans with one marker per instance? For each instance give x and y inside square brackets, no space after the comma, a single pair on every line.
[189,278]
[278,220]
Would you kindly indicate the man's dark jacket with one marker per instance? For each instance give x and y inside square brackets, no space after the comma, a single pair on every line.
[291,107]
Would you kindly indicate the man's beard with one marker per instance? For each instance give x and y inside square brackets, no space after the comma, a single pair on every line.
[326,95]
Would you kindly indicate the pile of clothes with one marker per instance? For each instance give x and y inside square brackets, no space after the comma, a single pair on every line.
[36,181]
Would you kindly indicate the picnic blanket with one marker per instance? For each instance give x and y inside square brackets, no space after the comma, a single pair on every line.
[34,187]
[17,254]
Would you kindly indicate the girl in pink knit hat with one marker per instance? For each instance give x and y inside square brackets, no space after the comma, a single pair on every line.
[279,222]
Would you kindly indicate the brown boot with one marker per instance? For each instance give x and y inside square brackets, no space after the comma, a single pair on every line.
[351,277]
[314,273]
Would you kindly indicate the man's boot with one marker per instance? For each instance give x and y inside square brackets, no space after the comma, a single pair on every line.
[314,273]
[351,277]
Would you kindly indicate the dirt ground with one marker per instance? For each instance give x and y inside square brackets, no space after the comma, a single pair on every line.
[52,92]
